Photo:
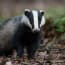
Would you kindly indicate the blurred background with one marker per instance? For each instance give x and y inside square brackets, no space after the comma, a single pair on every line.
[10,8]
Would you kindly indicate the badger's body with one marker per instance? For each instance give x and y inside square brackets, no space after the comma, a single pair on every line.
[22,32]
[25,38]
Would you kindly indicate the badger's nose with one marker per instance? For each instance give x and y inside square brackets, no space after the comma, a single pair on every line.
[36,30]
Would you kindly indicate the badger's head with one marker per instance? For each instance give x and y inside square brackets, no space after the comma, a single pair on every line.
[34,19]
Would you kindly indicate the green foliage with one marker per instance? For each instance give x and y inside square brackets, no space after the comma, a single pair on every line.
[60,24]
[58,16]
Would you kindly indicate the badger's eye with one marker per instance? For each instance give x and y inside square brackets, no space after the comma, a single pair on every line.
[39,18]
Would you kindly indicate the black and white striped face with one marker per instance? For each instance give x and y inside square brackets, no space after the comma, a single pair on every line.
[36,19]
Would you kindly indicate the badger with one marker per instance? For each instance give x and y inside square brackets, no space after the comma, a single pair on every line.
[21,32]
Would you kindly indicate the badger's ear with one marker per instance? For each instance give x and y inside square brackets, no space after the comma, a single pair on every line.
[42,12]
[26,11]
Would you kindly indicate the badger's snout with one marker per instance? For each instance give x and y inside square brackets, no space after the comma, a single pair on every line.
[36,30]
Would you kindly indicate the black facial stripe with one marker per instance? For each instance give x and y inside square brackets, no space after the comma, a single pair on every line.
[30,17]
[39,18]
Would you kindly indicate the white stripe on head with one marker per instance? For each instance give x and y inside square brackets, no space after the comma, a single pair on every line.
[42,21]
[35,17]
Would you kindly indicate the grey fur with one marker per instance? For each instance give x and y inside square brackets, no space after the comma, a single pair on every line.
[7,29]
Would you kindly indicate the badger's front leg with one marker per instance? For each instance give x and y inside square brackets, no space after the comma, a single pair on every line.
[19,47]
[31,50]
[20,50]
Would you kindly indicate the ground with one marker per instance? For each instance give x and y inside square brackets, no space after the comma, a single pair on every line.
[54,56]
